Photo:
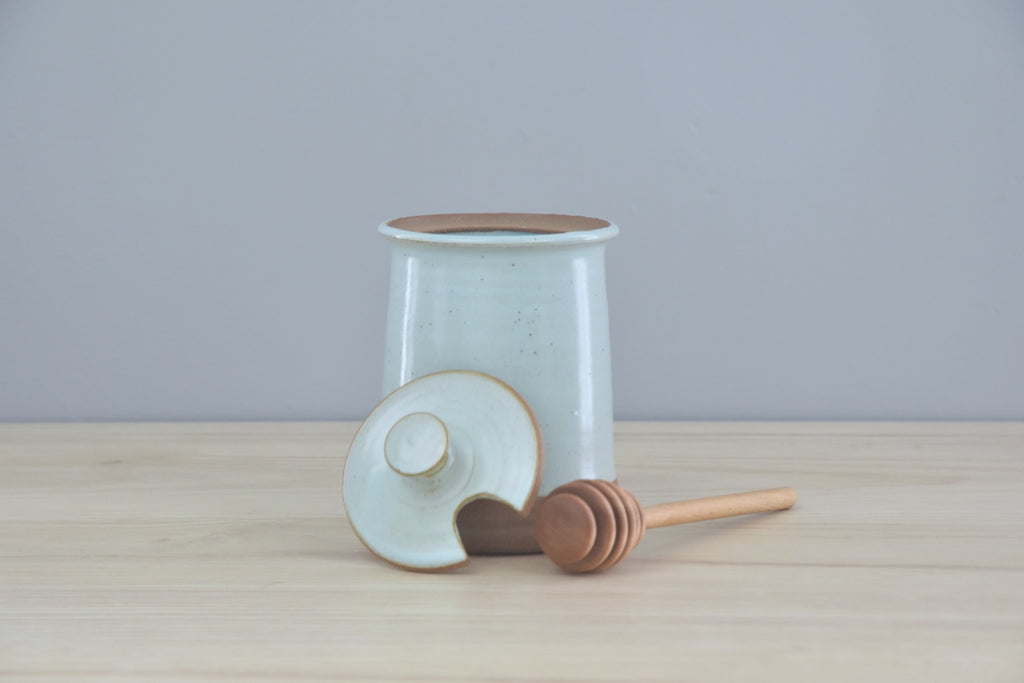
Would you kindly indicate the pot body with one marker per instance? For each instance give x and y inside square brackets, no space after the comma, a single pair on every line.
[520,297]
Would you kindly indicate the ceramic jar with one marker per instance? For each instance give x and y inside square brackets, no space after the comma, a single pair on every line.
[520,297]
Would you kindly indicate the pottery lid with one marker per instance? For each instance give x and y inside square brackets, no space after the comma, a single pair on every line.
[426,450]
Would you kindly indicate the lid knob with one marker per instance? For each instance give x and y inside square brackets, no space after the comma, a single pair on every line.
[417,445]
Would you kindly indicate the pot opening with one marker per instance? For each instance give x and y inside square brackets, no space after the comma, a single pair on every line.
[501,223]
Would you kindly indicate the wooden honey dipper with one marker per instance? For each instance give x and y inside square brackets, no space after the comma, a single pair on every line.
[588,525]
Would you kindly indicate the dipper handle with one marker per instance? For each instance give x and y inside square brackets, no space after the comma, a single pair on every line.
[717,507]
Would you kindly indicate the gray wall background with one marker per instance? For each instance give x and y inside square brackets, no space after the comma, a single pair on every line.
[821,203]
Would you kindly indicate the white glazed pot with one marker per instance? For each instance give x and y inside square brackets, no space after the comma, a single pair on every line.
[520,297]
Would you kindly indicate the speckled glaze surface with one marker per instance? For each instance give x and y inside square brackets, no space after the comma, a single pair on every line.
[520,297]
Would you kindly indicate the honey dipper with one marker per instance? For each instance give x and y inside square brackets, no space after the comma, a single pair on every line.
[588,525]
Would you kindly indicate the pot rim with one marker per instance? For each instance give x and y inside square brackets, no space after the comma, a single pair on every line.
[499,229]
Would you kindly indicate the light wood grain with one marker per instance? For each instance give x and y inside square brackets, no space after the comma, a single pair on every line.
[202,552]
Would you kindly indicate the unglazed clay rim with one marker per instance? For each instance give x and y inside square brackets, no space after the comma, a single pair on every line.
[472,229]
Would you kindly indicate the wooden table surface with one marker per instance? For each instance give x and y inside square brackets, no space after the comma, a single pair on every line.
[202,552]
